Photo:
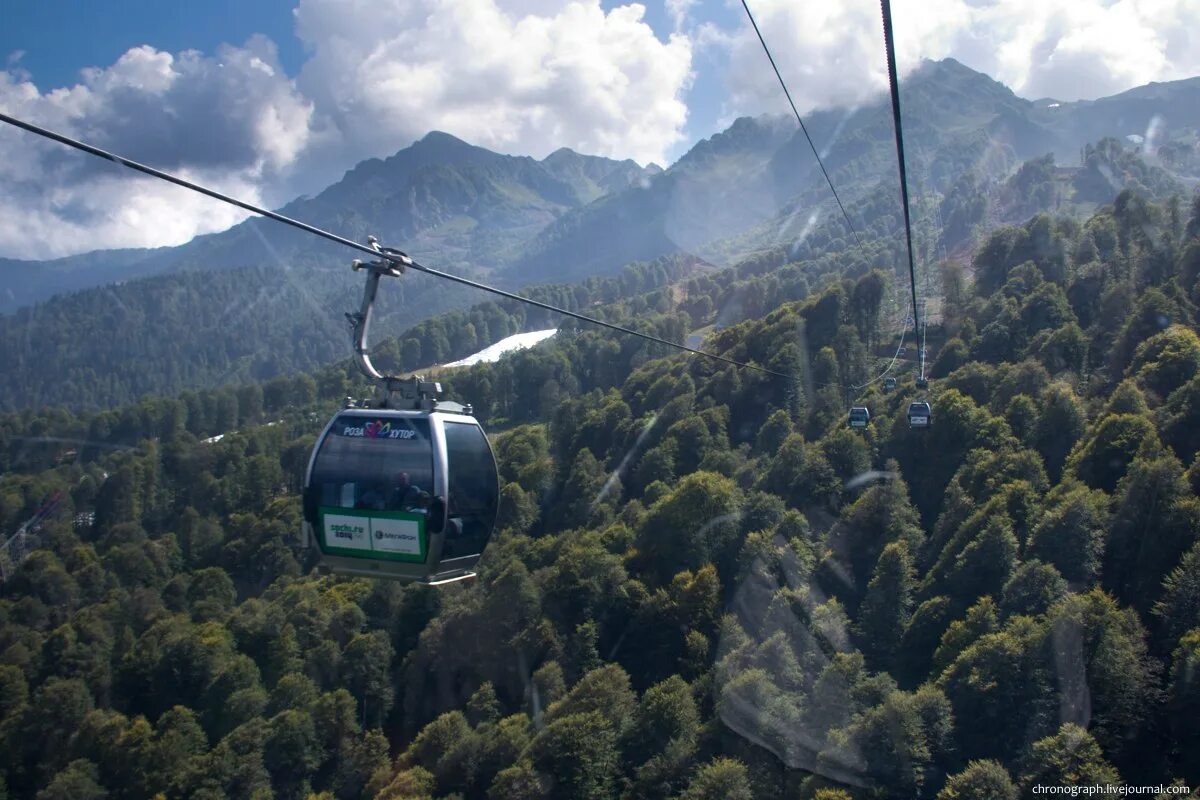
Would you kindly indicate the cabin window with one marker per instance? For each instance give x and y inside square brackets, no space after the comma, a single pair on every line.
[381,464]
[474,490]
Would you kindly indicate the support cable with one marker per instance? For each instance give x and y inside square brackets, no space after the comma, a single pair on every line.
[799,119]
[890,46]
[400,259]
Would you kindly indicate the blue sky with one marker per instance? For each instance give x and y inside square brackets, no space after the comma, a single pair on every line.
[54,40]
[270,99]
[58,38]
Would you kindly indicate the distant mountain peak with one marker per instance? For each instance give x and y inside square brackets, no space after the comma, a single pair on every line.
[561,154]
[954,72]
[441,138]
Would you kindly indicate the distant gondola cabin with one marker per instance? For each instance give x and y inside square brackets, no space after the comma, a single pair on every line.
[920,415]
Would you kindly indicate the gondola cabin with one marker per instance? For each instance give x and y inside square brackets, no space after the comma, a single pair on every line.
[860,417]
[922,382]
[889,384]
[403,494]
[920,415]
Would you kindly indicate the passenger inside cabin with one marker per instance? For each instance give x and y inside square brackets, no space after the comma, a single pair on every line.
[373,498]
[420,503]
[405,494]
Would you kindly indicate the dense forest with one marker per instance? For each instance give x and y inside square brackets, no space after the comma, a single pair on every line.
[63,352]
[703,584]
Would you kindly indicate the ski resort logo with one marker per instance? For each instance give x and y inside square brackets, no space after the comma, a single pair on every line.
[346,531]
[378,430]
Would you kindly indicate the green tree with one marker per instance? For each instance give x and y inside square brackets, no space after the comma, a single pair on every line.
[63,705]
[1098,641]
[981,780]
[1153,313]
[1183,703]
[483,706]
[773,433]
[885,609]
[1033,588]
[900,741]
[920,639]
[666,717]
[366,669]
[1070,757]
[693,525]
[1060,425]
[1045,308]
[882,514]
[1154,521]
[518,509]
[361,758]
[605,691]
[1101,459]
[1167,360]
[578,755]
[847,453]
[409,784]
[1021,415]
[79,781]
[950,357]
[986,564]
[981,619]
[995,683]
[1179,608]
[179,742]
[719,779]
[1061,350]
[210,594]
[582,503]
[14,690]
[1181,419]
[291,752]
[1070,536]
[518,782]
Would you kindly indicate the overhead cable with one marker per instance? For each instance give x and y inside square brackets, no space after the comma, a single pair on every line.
[401,259]
[800,119]
[889,44]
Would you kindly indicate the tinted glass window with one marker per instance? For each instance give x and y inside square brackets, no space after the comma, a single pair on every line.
[383,463]
[474,490]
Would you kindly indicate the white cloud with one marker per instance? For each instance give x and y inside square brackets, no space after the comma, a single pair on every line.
[234,121]
[832,53]
[680,12]
[518,76]
[576,76]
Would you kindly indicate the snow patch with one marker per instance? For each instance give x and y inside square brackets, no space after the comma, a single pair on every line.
[492,354]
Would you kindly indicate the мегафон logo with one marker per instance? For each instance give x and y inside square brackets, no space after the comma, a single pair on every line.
[403,537]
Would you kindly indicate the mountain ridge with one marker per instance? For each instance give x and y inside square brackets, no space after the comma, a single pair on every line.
[425,197]
[977,161]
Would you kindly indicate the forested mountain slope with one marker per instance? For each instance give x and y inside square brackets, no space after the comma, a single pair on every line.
[261,300]
[744,182]
[704,584]
[463,206]
[102,347]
